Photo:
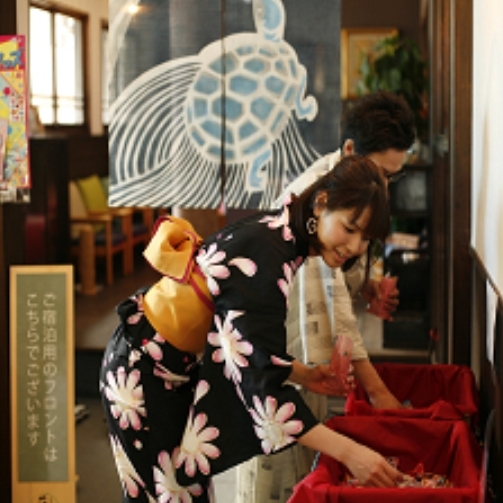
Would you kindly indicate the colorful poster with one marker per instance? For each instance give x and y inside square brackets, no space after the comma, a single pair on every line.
[219,102]
[14,167]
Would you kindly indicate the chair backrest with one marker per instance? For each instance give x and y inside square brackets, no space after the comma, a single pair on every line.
[105,183]
[93,193]
[77,208]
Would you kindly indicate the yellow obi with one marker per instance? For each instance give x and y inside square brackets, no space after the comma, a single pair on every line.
[179,306]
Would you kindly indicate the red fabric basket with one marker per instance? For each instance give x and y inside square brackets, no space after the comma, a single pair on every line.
[436,391]
[444,447]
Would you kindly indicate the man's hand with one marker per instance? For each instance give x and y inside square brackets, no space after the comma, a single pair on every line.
[373,294]
[379,395]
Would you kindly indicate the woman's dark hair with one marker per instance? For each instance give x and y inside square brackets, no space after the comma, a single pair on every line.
[354,183]
[378,122]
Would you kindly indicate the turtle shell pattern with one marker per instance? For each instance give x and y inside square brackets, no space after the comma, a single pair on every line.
[251,87]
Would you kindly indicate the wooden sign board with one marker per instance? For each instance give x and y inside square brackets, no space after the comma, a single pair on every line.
[42,384]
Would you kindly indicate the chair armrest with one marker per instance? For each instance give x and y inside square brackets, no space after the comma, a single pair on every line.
[121,211]
[124,215]
[92,218]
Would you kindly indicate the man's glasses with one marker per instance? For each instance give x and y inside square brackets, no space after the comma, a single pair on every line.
[394,177]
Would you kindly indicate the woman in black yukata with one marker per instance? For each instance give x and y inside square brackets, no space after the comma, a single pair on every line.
[182,407]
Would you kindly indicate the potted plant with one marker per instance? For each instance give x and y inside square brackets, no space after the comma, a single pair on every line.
[396,65]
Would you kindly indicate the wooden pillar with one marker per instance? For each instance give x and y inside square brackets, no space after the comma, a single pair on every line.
[87,261]
[11,252]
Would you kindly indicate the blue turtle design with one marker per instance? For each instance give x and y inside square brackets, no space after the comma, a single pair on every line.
[231,108]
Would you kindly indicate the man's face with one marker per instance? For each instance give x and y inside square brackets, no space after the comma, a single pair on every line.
[391,161]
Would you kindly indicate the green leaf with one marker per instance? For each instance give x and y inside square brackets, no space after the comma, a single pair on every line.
[395,79]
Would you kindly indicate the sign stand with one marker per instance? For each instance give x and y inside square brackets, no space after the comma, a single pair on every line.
[42,384]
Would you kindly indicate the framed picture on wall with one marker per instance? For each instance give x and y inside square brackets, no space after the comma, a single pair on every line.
[354,43]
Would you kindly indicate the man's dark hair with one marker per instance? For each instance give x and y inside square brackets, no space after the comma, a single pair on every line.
[377,122]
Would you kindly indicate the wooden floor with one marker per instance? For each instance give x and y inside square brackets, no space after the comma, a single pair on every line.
[95,316]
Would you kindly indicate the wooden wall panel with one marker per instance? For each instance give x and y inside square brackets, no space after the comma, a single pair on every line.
[11,246]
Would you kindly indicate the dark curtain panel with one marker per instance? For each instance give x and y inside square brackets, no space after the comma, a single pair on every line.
[221,101]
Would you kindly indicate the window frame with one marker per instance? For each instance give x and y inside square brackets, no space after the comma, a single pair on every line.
[69,129]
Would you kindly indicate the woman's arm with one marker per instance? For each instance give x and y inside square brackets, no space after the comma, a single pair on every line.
[369,467]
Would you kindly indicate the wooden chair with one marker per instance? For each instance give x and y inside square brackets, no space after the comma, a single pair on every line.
[142,226]
[142,221]
[112,230]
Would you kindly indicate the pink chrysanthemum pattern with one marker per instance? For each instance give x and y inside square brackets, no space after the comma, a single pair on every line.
[281,362]
[126,397]
[272,425]
[232,349]
[131,481]
[171,380]
[280,221]
[167,488]
[153,347]
[286,283]
[196,447]
[210,263]
[247,266]
[202,389]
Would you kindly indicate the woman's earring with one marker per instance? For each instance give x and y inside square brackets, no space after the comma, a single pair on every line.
[312,225]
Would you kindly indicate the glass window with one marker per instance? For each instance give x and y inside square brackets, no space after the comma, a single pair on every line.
[56,67]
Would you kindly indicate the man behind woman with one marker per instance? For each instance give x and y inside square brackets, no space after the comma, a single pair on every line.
[379,126]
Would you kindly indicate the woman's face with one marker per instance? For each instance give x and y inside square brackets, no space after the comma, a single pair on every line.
[339,236]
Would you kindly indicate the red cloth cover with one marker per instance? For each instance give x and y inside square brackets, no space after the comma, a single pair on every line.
[444,447]
[436,391]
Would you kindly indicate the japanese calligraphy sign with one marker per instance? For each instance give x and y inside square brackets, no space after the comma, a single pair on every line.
[42,384]
[14,162]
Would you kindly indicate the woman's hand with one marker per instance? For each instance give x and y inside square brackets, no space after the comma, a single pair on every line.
[370,468]
[365,464]
[320,379]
